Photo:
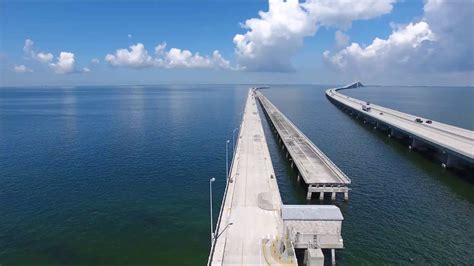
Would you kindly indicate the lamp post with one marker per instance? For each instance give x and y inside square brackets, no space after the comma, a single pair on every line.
[227,158]
[210,203]
[233,140]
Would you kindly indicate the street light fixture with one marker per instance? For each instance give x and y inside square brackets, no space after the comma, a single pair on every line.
[227,158]
[210,203]
[233,140]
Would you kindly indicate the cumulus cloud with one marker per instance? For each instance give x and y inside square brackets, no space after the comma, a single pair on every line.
[65,63]
[452,22]
[441,41]
[21,69]
[397,49]
[138,57]
[95,61]
[42,57]
[341,13]
[272,39]
[86,70]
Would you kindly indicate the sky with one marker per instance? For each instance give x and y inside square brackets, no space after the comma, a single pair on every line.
[385,42]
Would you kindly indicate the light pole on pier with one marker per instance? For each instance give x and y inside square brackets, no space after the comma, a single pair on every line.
[227,158]
[233,140]
[210,203]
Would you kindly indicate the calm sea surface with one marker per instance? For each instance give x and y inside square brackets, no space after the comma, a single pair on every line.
[119,175]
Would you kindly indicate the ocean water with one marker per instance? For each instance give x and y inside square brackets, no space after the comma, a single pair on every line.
[119,175]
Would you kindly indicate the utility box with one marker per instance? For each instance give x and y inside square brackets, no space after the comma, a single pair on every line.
[313,257]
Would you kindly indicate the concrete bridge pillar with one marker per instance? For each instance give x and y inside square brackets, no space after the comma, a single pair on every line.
[308,195]
[333,257]
[333,196]
[448,161]
[346,196]
[392,132]
[298,178]
[321,196]
[413,143]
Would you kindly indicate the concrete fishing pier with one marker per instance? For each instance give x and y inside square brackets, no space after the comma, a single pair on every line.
[254,227]
[455,145]
[314,167]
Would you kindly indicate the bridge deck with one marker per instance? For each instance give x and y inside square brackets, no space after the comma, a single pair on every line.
[314,166]
[250,213]
[451,138]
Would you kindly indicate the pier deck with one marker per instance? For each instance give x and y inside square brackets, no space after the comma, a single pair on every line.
[450,139]
[250,216]
[316,169]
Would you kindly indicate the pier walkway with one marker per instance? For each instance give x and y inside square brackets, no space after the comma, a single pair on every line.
[316,169]
[254,226]
[250,218]
[456,143]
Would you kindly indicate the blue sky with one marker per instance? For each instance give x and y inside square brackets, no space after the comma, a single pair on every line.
[287,46]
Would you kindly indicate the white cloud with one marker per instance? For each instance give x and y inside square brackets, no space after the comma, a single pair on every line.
[176,58]
[137,57]
[21,69]
[160,48]
[341,13]
[42,57]
[95,61]
[452,22]
[28,46]
[272,39]
[341,38]
[396,49]
[65,63]
[86,70]
[442,41]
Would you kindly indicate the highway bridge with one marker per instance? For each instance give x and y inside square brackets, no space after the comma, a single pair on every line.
[455,144]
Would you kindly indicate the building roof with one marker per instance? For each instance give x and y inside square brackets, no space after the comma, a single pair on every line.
[311,213]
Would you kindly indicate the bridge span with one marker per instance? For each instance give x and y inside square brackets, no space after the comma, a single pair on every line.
[454,144]
[317,170]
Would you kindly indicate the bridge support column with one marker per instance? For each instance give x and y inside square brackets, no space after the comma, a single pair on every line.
[333,257]
[298,178]
[321,196]
[391,132]
[346,196]
[292,164]
[333,196]
[309,194]
[413,143]
[448,160]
